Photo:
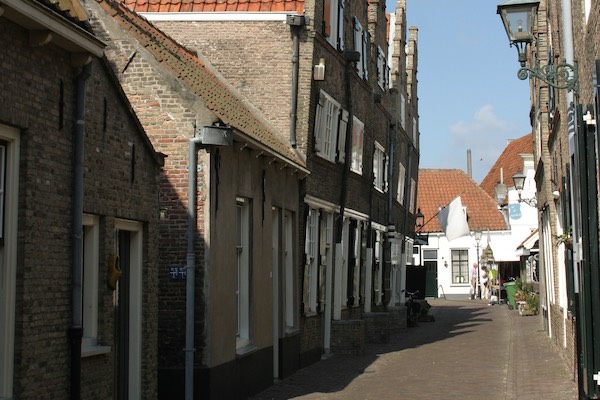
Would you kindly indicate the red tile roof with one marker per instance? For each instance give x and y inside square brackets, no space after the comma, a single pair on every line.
[200,76]
[438,187]
[510,162]
[216,5]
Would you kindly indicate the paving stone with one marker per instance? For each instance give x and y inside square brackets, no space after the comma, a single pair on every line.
[471,351]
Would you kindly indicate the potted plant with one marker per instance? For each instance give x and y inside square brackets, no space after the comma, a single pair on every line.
[531,306]
[566,238]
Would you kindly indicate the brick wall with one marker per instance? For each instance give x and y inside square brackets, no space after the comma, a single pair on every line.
[348,337]
[32,80]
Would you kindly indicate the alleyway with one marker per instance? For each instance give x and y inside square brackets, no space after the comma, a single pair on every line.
[471,352]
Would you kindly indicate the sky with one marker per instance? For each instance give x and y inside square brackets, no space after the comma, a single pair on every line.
[469,93]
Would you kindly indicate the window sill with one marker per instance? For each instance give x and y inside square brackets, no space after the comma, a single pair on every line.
[245,350]
[90,351]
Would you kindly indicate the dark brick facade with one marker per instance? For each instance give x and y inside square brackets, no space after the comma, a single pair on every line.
[38,100]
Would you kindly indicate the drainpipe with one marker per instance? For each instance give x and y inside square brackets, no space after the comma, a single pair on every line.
[76,330]
[407,200]
[295,22]
[190,283]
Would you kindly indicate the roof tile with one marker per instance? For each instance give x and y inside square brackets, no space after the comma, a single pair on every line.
[201,5]
[205,81]
[438,187]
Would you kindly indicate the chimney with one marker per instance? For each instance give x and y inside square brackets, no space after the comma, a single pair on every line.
[469,164]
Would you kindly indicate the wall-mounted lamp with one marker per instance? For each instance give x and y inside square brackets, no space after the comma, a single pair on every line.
[518,17]
[519,181]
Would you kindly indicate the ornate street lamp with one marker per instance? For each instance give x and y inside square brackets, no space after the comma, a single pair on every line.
[478,234]
[518,17]
[519,181]
[419,220]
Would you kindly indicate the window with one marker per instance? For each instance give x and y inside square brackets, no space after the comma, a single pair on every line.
[91,284]
[333,23]
[380,168]
[460,266]
[331,122]
[358,134]
[383,71]
[378,275]
[325,250]
[413,196]
[310,267]
[361,39]
[356,256]
[401,183]
[415,132]
[243,218]
[403,111]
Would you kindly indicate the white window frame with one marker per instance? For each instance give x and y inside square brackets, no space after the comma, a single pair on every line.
[311,268]
[91,283]
[401,183]
[380,167]
[357,262]
[335,22]
[413,195]
[403,111]
[415,133]
[358,135]
[378,284]
[243,259]
[8,258]
[330,128]
[383,72]
[361,40]
[459,261]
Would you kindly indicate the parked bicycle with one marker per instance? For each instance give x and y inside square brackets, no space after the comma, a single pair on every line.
[413,308]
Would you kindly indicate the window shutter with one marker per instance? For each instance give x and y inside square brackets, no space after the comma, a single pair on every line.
[318,134]
[343,127]
[340,32]
[364,53]
[327,18]
[307,241]
[385,172]
[358,45]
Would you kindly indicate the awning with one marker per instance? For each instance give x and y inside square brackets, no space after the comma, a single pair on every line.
[531,242]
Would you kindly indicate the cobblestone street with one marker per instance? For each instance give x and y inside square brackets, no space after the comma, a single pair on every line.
[471,352]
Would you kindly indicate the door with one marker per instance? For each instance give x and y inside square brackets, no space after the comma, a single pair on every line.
[127,302]
[431,284]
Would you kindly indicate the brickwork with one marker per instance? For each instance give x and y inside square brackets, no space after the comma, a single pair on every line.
[377,327]
[348,337]
[38,99]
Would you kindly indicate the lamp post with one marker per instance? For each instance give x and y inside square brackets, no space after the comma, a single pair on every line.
[478,240]
[519,181]
[518,18]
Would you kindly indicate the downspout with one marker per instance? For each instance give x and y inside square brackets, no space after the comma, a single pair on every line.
[76,330]
[295,22]
[407,200]
[190,283]
[389,216]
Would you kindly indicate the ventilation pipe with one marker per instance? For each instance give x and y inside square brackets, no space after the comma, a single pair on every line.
[76,330]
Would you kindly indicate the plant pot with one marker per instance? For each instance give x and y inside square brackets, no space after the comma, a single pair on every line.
[569,244]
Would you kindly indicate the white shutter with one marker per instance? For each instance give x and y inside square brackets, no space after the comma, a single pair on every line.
[358,45]
[342,128]
[365,51]
[385,172]
[340,30]
[318,133]
[307,241]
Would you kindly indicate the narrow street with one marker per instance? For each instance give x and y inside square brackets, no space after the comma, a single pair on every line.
[471,351]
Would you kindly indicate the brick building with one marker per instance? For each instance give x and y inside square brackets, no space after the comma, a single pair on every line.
[78,205]
[243,209]
[340,79]
[566,159]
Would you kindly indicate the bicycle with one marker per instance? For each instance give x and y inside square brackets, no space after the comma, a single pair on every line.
[413,309]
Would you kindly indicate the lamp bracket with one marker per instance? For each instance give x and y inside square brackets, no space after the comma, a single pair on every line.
[559,76]
[532,202]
